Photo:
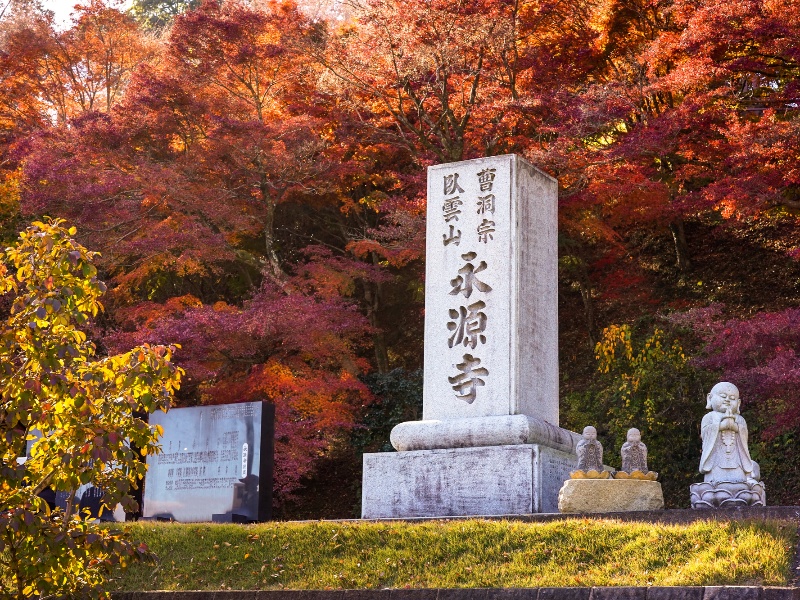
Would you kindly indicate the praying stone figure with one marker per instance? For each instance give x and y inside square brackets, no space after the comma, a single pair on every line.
[730,475]
[590,457]
[634,459]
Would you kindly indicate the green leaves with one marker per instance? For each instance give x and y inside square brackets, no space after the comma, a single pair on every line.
[78,410]
[644,379]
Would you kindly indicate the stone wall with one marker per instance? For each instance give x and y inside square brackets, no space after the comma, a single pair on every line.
[595,593]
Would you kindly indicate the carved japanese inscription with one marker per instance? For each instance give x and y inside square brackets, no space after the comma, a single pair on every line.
[468,380]
[468,322]
[467,279]
[490,228]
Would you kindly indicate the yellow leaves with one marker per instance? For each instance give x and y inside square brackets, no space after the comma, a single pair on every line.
[9,193]
[615,350]
[84,407]
[614,345]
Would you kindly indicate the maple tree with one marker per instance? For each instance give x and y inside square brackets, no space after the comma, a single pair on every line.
[298,351]
[270,157]
[759,353]
[699,93]
[78,70]
[21,107]
[221,123]
[254,65]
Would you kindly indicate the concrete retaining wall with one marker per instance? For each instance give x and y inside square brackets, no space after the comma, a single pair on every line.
[595,593]
[670,516]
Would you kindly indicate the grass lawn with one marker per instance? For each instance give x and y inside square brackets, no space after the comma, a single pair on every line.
[474,553]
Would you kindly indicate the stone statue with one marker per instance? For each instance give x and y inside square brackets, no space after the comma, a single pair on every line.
[634,458]
[590,457]
[593,489]
[730,475]
[725,455]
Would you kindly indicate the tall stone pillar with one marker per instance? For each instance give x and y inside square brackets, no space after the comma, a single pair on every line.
[489,442]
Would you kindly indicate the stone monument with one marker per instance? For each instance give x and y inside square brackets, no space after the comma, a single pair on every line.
[489,442]
[591,489]
[730,475]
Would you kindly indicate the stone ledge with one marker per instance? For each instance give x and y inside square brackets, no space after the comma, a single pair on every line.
[500,430]
[598,496]
[667,516]
[565,593]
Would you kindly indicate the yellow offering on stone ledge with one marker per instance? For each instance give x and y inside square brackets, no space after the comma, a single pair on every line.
[649,476]
[590,474]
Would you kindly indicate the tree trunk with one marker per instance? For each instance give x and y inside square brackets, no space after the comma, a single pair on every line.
[381,352]
[681,247]
[70,509]
[588,308]
[273,264]
[372,296]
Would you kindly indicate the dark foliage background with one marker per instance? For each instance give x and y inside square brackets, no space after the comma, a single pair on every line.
[253,175]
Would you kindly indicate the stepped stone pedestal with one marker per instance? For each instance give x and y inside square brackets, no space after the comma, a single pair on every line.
[489,442]
[494,480]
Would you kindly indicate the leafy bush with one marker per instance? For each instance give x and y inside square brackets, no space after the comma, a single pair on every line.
[398,398]
[645,380]
[80,414]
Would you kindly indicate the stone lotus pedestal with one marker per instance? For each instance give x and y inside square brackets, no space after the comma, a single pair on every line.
[727,494]
[609,495]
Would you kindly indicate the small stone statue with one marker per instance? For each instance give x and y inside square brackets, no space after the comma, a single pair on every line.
[590,457]
[634,458]
[730,475]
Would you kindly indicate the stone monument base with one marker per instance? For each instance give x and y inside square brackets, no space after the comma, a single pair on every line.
[609,495]
[497,430]
[492,480]
[726,494]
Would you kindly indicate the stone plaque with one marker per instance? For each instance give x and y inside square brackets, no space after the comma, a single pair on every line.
[215,464]
[491,291]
